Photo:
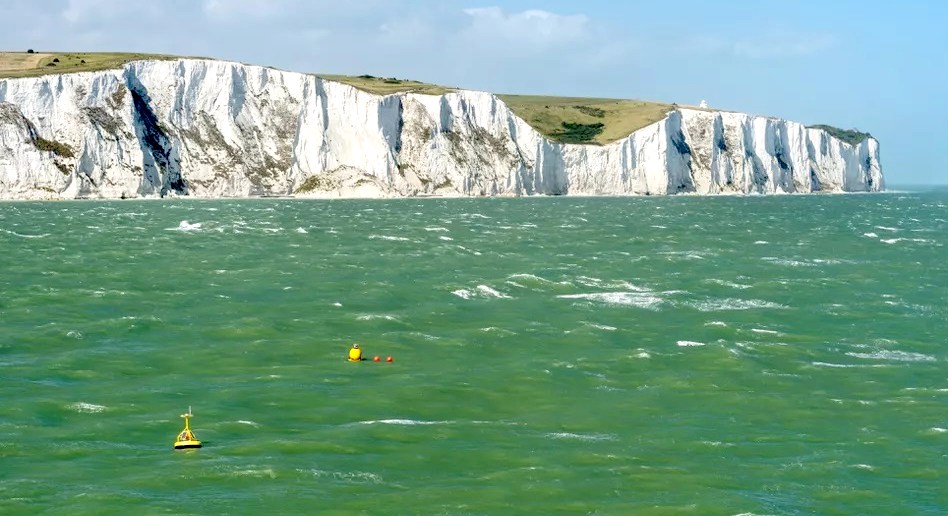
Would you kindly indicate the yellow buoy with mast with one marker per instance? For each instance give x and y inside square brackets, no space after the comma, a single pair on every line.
[186,438]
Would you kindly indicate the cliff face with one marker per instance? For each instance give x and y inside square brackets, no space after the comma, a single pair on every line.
[220,129]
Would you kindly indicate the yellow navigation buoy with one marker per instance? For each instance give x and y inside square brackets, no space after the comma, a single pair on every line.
[187,439]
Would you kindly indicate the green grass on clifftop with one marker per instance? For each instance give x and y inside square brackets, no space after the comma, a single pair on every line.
[24,64]
[585,120]
[850,136]
[387,85]
[564,119]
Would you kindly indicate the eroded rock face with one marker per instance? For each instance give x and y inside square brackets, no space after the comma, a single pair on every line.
[219,129]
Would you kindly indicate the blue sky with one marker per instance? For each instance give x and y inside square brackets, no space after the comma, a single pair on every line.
[881,67]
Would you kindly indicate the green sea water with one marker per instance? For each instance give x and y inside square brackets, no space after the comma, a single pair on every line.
[679,355]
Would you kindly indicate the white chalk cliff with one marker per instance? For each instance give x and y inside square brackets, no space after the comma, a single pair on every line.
[207,128]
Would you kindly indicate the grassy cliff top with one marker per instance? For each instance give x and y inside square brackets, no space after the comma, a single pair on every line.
[387,85]
[25,64]
[850,136]
[565,119]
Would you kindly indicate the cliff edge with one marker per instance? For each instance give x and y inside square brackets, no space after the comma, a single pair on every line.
[207,128]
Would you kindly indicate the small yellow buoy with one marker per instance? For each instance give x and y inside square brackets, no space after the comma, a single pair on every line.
[186,438]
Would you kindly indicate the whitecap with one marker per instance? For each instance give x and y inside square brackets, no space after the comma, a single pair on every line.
[768,332]
[301,231]
[14,233]
[445,238]
[389,237]
[87,408]
[250,472]
[403,422]
[716,323]
[187,226]
[463,293]
[646,300]
[581,437]
[337,303]
[689,343]
[348,476]
[938,430]
[870,235]
[730,284]
[602,327]
[842,366]
[713,305]
[74,334]
[251,423]
[787,262]
[489,292]
[371,317]
[886,228]
[761,242]
[899,356]
[436,228]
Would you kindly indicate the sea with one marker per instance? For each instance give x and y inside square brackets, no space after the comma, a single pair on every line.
[734,355]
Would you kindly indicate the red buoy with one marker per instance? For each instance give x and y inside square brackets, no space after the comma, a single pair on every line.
[376,358]
[389,359]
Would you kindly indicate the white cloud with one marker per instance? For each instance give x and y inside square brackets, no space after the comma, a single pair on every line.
[97,11]
[533,30]
[235,9]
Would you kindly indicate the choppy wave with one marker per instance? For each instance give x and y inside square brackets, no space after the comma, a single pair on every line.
[14,233]
[480,291]
[403,422]
[728,304]
[689,343]
[582,437]
[647,300]
[87,408]
[898,356]
[356,477]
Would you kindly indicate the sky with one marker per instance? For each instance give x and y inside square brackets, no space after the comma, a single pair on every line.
[877,66]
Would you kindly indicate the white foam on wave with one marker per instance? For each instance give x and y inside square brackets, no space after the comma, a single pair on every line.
[581,437]
[87,408]
[14,233]
[347,476]
[186,226]
[845,366]
[886,228]
[689,343]
[898,356]
[480,291]
[768,332]
[249,423]
[601,326]
[761,242]
[301,231]
[897,240]
[646,300]
[403,422]
[389,237]
[372,317]
[787,262]
[870,235]
[938,430]
[75,334]
[716,323]
[726,283]
[436,228]
[254,472]
[600,283]
[729,304]
[445,238]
